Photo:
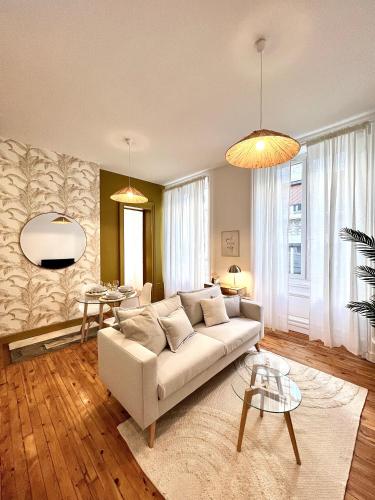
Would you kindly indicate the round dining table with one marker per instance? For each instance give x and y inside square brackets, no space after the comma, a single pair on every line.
[101,301]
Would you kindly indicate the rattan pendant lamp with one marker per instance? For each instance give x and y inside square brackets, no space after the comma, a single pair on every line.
[129,194]
[262,148]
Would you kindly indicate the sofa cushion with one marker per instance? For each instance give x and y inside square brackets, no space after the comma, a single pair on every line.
[195,355]
[214,311]
[122,313]
[232,305]
[144,328]
[167,306]
[232,334]
[177,328]
[191,302]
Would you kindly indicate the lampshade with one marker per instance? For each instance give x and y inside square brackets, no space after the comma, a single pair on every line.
[262,148]
[234,269]
[129,194]
[61,220]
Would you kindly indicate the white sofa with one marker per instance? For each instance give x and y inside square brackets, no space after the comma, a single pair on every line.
[148,385]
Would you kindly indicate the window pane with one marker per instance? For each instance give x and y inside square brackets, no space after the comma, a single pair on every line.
[133,248]
[295,219]
[296,172]
[295,259]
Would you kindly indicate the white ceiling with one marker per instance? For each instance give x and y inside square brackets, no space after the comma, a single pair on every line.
[180,76]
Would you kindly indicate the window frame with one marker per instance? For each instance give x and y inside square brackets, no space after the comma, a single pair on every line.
[301,158]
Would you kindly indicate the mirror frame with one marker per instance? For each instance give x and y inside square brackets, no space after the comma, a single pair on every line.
[58,214]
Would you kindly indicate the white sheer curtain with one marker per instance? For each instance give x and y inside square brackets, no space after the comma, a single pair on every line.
[269,239]
[340,192]
[186,236]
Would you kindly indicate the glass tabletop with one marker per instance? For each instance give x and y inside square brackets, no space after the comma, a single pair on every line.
[266,363]
[271,394]
[104,299]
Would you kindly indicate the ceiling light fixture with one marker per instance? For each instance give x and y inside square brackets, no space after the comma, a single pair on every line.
[129,194]
[262,148]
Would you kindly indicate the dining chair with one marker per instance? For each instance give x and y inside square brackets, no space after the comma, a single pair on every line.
[144,297]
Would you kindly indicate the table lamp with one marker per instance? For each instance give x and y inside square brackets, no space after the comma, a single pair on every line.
[234,270]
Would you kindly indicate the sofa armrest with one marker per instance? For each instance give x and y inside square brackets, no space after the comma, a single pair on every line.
[253,310]
[129,370]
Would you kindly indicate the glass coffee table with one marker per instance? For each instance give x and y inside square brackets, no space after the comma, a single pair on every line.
[265,361]
[268,390]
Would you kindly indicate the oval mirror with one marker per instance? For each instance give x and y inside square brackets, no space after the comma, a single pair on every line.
[53,240]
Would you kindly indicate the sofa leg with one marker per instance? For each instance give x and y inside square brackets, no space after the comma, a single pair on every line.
[257,347]
[151,429]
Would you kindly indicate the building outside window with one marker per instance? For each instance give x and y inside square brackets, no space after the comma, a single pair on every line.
[296,230]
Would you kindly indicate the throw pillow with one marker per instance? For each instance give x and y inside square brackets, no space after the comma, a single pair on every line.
[166,306]
[177,328]
[191,302]
[214,311]
[122,313]
[232,306]
[145,329]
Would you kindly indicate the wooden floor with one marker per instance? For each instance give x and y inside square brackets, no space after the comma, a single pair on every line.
[58,436]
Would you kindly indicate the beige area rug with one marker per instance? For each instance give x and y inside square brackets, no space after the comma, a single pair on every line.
[195,453]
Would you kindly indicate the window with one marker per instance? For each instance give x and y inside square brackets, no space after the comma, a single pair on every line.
[296,228]
[133,247]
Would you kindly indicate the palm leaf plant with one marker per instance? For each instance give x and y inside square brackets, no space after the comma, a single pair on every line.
[366,246]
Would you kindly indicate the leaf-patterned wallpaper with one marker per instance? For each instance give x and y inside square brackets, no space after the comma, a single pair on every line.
[34,181]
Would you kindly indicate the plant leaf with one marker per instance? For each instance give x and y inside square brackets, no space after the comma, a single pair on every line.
[364,244]
[366,274]
[365,308]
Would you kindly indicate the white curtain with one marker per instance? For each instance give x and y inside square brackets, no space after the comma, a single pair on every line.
[340,192]
[269,239]
[186,236]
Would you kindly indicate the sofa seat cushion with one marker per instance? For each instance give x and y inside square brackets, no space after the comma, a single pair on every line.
[232,334]
[175,369]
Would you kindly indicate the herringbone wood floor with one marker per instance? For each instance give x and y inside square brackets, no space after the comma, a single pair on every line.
[58,436]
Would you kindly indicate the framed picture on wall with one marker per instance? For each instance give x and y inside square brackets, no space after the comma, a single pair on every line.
[230,243]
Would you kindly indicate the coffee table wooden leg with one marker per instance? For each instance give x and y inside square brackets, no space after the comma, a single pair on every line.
[84,321]
[292,436]
[261,403]
[245,409]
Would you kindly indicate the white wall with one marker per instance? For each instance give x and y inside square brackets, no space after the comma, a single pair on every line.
[230,210]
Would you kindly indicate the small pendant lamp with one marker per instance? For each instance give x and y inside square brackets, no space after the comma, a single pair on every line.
[61,220]
[129,194]
[262,148]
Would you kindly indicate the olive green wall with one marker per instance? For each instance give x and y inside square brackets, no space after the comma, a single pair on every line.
[110,227]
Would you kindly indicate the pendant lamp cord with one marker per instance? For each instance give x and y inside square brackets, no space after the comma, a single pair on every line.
[128,141]
[261,91]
